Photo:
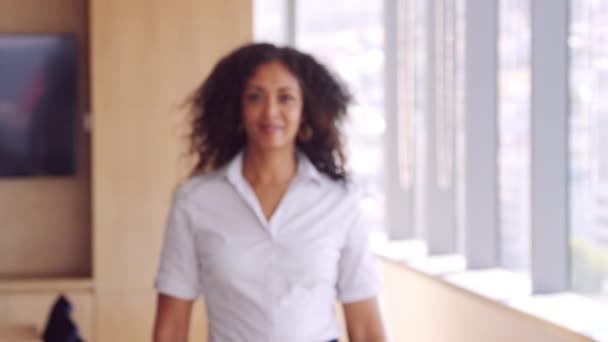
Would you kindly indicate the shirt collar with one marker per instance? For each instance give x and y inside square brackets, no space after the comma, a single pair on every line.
[306,168]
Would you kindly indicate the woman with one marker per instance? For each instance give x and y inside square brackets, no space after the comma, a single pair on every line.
[267,228]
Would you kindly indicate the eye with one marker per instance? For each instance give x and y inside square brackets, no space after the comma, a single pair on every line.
[284,98]
[253,97]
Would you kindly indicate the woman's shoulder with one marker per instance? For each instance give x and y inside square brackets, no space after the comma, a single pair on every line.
[347,190]
[191,188]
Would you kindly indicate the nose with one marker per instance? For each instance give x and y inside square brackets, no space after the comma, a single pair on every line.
[271,108]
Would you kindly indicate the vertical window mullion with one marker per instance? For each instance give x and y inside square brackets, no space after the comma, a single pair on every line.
[291,18]
[421,39]
[481,172]
[439,196]
[399,111]
[549,146]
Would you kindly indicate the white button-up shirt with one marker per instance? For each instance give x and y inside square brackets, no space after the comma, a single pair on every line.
[267,280]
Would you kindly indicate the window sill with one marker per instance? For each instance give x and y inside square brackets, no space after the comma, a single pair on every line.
[574,312]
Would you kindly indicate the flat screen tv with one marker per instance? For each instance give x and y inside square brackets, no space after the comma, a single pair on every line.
[38,105]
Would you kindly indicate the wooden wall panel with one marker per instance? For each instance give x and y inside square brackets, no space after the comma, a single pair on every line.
[147,56]
[45,227]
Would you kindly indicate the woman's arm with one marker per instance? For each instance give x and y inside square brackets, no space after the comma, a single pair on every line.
[172,319]
[363,321]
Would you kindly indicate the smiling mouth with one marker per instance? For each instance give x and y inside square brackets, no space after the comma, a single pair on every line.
[269,129]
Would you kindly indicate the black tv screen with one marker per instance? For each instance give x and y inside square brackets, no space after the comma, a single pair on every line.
[38,105]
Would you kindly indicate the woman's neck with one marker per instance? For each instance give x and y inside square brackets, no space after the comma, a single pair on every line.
[269,166]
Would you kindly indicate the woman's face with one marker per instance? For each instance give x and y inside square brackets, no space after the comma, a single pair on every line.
[272,107]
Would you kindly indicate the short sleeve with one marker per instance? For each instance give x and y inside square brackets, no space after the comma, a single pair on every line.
[358,275]
[179,272]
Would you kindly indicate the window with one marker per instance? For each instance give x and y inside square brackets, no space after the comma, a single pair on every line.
[348,37]
[270,21]
[514,133]
[420,88]
[588,146]
[459,112]
[498,136]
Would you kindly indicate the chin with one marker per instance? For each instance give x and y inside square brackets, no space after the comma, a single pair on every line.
[274,144]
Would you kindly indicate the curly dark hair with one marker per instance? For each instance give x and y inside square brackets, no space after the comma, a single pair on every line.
[216,134]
